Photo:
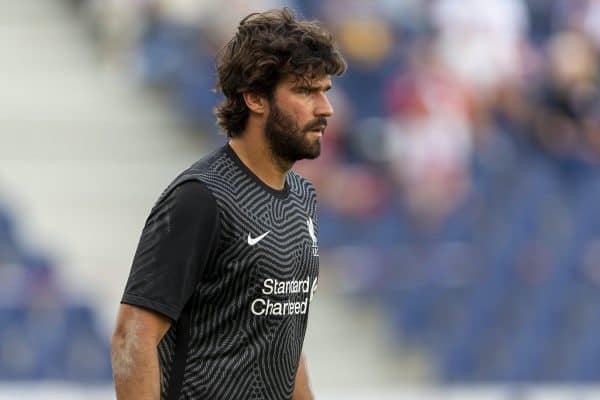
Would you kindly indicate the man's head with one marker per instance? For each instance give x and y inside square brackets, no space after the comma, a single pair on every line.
[287,64]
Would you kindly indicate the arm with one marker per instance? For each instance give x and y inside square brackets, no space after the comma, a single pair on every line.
[172,254]
[302,387]
[134,355]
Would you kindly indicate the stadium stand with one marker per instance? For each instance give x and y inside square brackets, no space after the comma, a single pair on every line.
[43,333]
[490,266]
[467,209]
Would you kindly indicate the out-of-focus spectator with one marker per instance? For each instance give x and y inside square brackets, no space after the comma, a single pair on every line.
[429,137]
[211,15]
[481,42]
[566,120]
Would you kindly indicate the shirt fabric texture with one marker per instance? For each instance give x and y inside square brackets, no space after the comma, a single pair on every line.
[234,264]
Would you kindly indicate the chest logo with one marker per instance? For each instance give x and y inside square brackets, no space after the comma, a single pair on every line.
[252,241]
[311,232]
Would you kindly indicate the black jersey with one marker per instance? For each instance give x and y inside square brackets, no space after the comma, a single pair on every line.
[234,263]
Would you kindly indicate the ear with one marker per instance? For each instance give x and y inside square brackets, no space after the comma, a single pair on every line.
[255,102]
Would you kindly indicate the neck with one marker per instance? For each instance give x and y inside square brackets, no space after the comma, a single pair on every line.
[258,157]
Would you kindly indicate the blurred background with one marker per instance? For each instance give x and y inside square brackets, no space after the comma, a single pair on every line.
[459,187]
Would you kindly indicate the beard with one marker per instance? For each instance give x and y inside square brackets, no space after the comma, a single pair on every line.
[287,140]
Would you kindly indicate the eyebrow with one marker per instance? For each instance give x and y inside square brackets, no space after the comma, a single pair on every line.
[324,88]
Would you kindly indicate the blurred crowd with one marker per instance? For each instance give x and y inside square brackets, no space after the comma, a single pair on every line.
[431,85]
[459,177]
[45,332]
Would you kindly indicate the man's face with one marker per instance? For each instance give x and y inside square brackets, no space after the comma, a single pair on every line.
[297,118]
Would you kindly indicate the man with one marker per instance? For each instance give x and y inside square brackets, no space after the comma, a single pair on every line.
[217,300]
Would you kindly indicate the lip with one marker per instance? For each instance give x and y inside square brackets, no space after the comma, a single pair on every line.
[318,129]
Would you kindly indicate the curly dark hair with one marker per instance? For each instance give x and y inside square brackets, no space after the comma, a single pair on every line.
[266,48]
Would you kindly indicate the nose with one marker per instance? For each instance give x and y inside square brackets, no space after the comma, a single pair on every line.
[323,107]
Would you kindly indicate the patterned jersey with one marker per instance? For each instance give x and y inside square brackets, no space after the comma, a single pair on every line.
[234,263]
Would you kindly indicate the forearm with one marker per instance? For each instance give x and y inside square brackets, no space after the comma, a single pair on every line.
[135,368]
[302,387]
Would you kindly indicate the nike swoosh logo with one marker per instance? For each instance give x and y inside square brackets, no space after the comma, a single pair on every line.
[252,241]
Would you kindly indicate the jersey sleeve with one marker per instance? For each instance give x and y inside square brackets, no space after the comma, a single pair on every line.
[177,242]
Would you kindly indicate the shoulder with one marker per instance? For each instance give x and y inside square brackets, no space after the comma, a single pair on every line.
[185,201]
[301,186]
[191,194]
[213,161]
[201,172]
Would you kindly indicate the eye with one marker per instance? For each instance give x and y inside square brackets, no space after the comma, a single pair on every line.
[305,90]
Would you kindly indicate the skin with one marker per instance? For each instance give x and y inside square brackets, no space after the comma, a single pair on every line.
[302,389]
[139,331]
[304,103]
[134,353]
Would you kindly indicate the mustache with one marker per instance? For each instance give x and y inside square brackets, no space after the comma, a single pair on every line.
[320,122]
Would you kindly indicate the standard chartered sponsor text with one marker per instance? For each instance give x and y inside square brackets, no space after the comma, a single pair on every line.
[267,306]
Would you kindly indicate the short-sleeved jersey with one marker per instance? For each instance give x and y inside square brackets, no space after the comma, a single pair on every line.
[234,263]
